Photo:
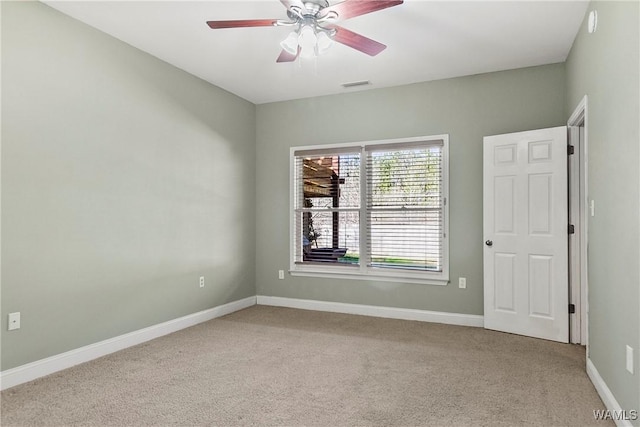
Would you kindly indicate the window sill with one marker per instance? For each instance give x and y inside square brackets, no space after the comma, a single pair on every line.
[398,277]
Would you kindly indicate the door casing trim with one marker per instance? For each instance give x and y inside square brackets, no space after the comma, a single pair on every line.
[578,176]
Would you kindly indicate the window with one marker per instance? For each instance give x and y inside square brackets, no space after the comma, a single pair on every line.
[374,210]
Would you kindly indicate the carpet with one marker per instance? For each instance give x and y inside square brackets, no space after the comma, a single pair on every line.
[277,366]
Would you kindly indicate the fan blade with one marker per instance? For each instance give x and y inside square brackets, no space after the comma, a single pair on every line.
[287,57]
[242,23]
[352,8]
[357,41]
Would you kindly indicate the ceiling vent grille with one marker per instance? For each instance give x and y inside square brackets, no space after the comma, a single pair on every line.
[355,84]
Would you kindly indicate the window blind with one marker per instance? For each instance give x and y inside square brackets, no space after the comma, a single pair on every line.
[327,206]
[405,206]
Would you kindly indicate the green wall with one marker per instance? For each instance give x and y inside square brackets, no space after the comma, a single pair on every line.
[466,108]
[605,67]
[124,179]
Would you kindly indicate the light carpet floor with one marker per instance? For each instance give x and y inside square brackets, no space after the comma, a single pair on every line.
[278,366]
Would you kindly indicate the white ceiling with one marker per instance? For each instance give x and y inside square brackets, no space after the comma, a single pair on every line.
[427,40]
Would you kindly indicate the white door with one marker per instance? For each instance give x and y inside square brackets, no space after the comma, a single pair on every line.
[526,233]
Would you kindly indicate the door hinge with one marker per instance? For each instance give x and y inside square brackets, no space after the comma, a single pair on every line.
[572,308]
[570,150]
[572,229]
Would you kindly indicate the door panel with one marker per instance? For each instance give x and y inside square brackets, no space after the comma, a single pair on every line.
[525,229]
[540,286]
[505,204]
[540,210]
[505,282]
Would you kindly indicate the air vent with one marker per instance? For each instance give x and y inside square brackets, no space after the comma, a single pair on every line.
[354,84]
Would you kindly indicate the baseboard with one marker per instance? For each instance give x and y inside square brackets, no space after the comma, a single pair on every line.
[50,365]
[605,394]
[375,311]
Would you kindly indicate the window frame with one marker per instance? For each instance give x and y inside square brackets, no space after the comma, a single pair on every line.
[362,271]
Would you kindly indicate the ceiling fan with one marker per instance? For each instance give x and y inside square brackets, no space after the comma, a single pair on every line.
[315,28]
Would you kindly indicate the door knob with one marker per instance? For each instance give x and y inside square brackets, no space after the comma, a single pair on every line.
[489,243]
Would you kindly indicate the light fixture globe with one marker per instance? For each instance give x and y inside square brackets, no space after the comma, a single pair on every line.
[290,44]
[307,41]
[324,43]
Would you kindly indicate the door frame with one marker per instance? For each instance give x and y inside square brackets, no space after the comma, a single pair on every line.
[578,216]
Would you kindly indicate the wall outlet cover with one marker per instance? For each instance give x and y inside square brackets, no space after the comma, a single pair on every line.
[14,321]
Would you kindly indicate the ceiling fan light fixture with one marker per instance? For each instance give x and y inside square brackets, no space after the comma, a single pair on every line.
[290,44]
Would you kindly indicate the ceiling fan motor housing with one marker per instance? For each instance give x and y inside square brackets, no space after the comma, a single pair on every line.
[312,7]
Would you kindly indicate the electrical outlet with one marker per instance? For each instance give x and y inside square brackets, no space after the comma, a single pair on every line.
[592,207]
[462,282]
[202,281]
[14,321]
[630,359]
[281,274]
